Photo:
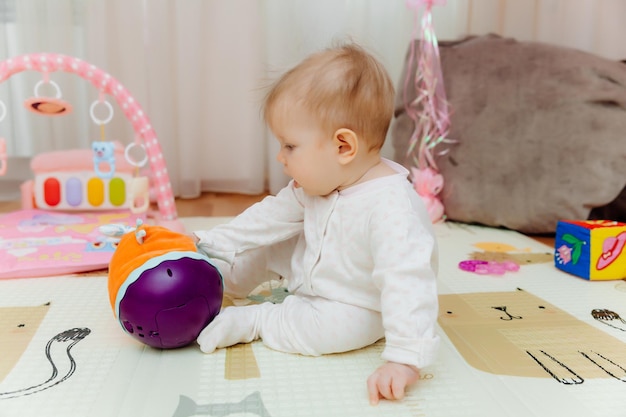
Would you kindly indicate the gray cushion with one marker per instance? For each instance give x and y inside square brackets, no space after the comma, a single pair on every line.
[541,131]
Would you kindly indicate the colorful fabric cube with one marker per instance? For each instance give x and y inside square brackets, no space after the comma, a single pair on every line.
[591,249]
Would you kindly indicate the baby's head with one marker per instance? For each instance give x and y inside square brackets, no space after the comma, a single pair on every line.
[340,87]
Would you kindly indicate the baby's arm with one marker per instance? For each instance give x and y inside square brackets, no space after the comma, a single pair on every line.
[272,220]
[405,261]
[390,380]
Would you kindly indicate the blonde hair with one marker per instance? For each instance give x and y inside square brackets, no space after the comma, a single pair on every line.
[343,87]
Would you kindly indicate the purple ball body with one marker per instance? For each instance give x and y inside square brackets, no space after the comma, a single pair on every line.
[169,305]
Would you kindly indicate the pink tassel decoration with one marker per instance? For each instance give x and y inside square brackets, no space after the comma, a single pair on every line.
[428,183]
[429,110]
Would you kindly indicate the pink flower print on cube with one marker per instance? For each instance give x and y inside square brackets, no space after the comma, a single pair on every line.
[564,254]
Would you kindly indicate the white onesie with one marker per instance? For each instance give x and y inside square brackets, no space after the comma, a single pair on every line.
[360,263]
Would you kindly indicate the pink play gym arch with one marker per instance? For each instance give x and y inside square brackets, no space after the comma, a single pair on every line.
[106,84]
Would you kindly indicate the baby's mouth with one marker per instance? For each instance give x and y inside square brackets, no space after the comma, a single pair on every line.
[296,184]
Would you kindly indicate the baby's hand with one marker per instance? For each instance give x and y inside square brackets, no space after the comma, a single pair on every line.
[390,380]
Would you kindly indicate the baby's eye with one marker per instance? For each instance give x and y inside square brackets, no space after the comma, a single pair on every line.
[289,147]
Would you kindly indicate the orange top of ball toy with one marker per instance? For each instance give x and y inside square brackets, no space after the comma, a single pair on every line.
[136,248]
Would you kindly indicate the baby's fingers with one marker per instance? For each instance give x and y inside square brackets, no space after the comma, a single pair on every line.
[398,385]
[378,386]
[372,391]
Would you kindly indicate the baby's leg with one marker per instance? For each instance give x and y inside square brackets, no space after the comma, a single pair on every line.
[317,326]
[306,325]
[255,266]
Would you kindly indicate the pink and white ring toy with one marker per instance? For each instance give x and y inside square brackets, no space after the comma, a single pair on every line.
[3,144]
[106,84]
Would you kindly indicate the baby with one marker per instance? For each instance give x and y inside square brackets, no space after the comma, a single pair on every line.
[348,233]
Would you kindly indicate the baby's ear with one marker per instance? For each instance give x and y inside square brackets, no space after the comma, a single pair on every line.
[347,144]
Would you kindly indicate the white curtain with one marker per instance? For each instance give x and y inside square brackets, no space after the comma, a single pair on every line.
[199,68]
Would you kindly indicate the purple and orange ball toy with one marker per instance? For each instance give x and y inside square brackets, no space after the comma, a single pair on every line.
[162,290]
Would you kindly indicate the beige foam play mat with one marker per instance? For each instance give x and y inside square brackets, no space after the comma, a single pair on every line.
[531,341]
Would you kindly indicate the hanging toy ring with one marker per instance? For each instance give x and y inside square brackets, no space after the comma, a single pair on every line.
[52,83]
[3,110]
[48,106]
[92,113]
[132,161]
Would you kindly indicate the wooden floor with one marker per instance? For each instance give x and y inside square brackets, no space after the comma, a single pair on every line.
[216,204]
[208,204]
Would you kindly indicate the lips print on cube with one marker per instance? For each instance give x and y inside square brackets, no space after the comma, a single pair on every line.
[591,249]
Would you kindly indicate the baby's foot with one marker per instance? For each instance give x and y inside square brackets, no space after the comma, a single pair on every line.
[233,325]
